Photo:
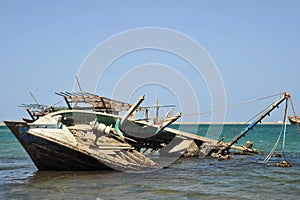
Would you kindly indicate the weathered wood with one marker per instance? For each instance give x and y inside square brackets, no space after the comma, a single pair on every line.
[52,153]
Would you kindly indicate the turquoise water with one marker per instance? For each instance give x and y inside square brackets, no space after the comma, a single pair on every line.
[263,136]
[242,177]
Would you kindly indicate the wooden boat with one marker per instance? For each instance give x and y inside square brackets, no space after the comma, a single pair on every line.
[94,136]
[294,119]
[97,137]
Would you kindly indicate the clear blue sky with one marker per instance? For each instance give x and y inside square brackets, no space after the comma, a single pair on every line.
[255,44]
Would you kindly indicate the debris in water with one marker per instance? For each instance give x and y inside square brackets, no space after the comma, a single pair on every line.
[283,164]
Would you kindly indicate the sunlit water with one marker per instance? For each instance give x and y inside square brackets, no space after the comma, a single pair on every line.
[242,177]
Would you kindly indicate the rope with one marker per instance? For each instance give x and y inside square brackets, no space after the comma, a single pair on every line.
[294,112]
[235,105]
[224,108]
[274,148]
[255,116]
[238,128]
[283,130]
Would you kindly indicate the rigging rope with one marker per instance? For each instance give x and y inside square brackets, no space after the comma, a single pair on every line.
[294,112]
[255,116]
[239,127]
[283,130]
[235,105]
[227,107]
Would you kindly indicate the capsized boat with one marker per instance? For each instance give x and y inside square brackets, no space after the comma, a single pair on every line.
[91,134]
[54,143]
[94,136]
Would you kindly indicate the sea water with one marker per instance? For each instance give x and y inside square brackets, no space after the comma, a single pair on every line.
[241,177]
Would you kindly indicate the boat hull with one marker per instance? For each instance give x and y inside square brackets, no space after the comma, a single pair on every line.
[48,155]
[294,119]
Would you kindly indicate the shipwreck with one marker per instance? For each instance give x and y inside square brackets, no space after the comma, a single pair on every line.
[94,136]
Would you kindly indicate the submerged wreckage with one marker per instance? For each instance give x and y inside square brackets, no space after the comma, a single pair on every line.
[96,137]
